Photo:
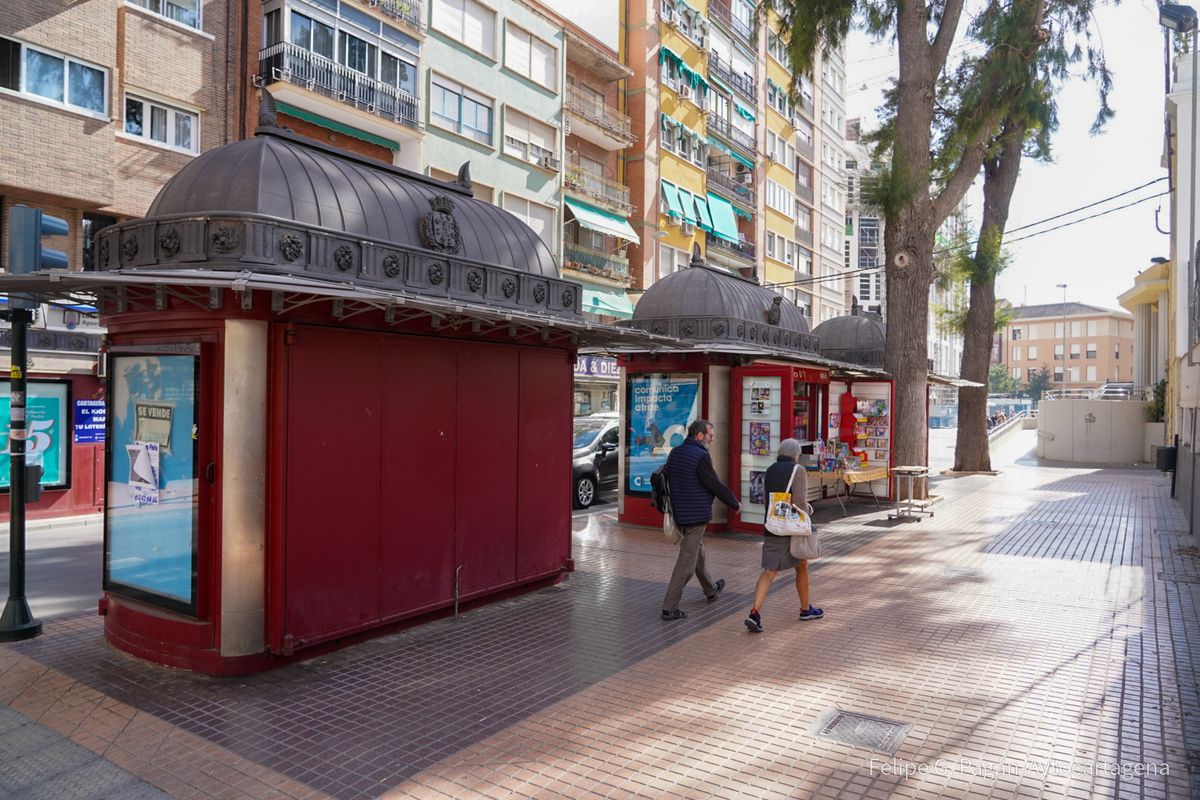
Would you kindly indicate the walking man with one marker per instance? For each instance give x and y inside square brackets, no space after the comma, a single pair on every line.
[694,485]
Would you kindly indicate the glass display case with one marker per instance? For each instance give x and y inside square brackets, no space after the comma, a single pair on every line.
[769,403]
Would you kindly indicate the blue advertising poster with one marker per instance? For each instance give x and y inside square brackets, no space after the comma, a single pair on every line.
[660,409]
[90,416]
[46,418]
[152,489]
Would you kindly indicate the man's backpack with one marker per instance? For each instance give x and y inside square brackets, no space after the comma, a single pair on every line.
[659,493]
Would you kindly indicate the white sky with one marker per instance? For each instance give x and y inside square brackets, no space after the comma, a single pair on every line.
[1097,259]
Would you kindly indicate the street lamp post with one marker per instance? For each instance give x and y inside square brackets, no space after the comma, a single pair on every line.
[1063,286]
[1182,19]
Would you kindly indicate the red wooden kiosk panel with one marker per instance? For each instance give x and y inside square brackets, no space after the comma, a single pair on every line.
[332,489]
[416,553]
[544,463]
[485,493]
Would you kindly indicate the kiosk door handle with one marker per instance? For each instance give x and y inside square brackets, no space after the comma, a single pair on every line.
[210,472]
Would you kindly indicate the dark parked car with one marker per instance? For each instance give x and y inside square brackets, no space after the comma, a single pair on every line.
[595,457]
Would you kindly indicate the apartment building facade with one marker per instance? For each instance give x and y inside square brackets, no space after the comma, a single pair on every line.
[729,159]
[1091,344]
[596,205]
[102,102]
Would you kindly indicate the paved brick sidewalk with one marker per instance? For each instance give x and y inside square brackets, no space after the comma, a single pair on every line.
[1038,637]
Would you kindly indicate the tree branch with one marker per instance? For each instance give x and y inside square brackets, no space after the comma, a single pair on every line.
[940,49]
[961,179]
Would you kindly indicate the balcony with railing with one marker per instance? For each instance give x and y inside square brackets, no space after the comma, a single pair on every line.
[722,127]
[292,64]
[743,249]
[739,81]
[598,118]
[596,187]
[804,192]
[410,12]
[612,266]
[730,187]
[804,236]
[720,11]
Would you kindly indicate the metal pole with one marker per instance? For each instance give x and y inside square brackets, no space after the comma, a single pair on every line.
[17,621]
[1064,354]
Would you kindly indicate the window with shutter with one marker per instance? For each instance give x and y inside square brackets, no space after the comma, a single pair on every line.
[516,50]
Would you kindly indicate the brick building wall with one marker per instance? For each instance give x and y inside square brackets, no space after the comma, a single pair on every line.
[69,161]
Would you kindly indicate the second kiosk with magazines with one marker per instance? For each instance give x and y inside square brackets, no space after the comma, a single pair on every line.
[748,363]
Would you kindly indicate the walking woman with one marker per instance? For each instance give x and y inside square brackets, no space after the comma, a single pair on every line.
[776,552]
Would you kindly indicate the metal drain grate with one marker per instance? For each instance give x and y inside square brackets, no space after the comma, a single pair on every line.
[861,730]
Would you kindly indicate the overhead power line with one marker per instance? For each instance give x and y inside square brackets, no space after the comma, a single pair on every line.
[862,270]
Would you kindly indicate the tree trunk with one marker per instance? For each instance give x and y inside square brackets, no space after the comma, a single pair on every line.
[971,452]
[909,248]
[909,235]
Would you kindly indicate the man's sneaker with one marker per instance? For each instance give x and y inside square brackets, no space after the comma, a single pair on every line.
[811,613]
[718,587]
[754,622]
[676,614]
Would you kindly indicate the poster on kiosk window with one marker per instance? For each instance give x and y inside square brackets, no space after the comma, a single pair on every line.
[150,548]
[660,409]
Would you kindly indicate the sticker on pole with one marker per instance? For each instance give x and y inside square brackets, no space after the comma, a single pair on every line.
[14,372]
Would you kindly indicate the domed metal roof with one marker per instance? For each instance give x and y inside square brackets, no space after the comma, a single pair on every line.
[280,204]
[280,175]
[853,338]
[724,311]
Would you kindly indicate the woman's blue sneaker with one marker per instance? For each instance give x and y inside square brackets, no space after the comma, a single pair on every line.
[754,622]
[811,613]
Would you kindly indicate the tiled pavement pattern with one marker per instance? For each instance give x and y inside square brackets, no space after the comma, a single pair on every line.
[1039,634]
[39,763]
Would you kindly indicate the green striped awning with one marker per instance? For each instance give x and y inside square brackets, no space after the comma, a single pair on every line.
[724,222]
[340,127]
[688,201]
[601,221]
[671,192]
[734,155]
[702,213]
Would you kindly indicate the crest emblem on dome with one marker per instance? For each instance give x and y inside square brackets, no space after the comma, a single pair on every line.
[439,228]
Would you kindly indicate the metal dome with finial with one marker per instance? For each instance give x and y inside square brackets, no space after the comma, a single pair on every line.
[282,204]
[856,338]
[722,311]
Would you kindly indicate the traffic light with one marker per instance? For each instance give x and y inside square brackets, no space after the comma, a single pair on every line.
[26,227]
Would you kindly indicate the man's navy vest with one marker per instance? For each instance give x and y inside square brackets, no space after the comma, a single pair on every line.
[691,502]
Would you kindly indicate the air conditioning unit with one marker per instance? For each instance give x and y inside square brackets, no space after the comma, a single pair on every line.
[741,169]
[687,228]
[548,162]
[746,178]
[685,91]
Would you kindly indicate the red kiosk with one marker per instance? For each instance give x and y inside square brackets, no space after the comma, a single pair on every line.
[339,398]
[748,364]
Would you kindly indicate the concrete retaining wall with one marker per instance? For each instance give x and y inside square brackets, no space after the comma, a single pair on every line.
[1092,431]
